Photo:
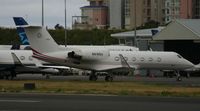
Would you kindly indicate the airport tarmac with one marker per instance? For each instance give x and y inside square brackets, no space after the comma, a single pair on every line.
[191,82]
[49,102]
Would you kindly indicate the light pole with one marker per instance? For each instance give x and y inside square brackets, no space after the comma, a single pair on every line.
[65,25]
[42,12]
[136,43]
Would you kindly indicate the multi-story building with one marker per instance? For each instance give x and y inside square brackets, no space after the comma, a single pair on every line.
[190,9]
[196,9]
[116,16]
[120,14]
[172,10]
[146,10]
[93,16]
[186,9]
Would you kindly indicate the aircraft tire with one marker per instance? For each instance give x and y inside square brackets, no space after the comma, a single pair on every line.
[108,78]
[179,78]
[93,78]
[47,76]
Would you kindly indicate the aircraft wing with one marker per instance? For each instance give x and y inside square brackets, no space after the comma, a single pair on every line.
[55,67]
[113,67]
[37,63]
[123,66]
[16,60]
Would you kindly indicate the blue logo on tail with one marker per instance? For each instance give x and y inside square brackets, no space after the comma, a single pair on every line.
[19,21]
[22,35]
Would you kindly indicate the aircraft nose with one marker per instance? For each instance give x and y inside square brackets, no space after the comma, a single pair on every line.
[189,64]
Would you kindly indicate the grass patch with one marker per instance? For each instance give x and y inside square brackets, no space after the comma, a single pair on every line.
[111,88]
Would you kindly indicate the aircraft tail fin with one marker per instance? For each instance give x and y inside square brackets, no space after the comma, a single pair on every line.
[22,35]
[40,40]
[19,21]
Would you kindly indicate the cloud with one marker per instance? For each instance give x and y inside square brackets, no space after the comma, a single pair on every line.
[31,10]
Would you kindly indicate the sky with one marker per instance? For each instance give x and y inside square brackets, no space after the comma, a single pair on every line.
[31,10]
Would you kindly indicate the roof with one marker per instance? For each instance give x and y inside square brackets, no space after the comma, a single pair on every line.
[94,7]
[182,29]
[139,33]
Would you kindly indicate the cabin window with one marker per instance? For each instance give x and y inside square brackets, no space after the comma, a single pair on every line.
[116,58]
[150,59]
[133,59]
[22,57]
[159,59]
[39,35]
[30,58]
[142,59]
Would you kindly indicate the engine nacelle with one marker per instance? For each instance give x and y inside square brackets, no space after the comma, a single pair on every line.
[74,55]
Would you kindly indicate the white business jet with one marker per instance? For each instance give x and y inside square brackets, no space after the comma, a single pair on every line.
[45,48]
[13,62]
[8,68]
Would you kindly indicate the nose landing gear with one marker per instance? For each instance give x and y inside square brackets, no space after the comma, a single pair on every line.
[178,76]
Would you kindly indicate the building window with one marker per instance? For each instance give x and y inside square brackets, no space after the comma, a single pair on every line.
[148,12]
[167,11]
[93,3]
[127,8]
[148,3]
[100,3]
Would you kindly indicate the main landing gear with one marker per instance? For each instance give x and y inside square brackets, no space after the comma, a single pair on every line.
[94,77]
[109,78]
[178,76]
[7,75]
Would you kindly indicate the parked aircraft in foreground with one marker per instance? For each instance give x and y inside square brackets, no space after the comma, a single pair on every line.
[10,69]
[21,61]
[98,59]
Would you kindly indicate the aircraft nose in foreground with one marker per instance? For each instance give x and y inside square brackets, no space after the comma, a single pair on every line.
[188,64]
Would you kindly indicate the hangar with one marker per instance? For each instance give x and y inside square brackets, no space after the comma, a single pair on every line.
[142,40]
[183,37]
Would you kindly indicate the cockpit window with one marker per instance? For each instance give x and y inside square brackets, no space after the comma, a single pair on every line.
[179,56]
